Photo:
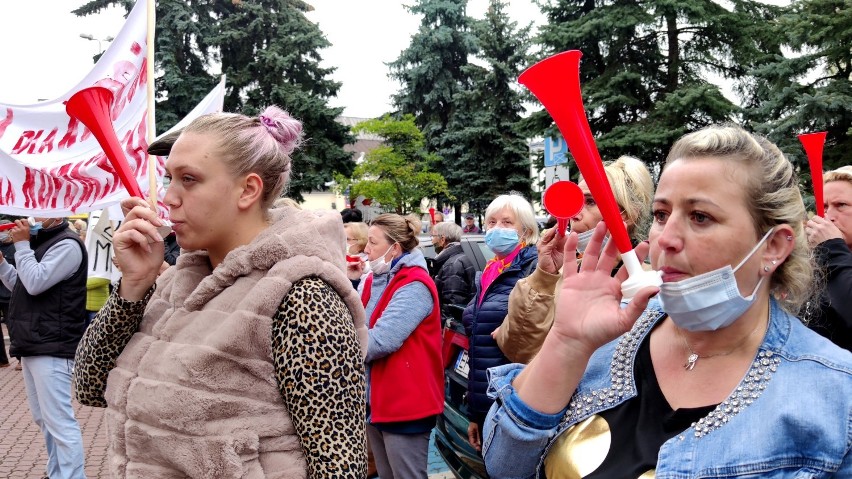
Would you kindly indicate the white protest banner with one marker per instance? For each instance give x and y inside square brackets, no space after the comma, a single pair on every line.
[51,165]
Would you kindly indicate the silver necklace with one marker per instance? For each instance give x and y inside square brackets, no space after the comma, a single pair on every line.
[693,357]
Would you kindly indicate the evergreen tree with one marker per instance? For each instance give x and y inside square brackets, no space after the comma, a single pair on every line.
[432,72]
[812,89]
[398,174]
[269,51]
[492,156]
[645,66]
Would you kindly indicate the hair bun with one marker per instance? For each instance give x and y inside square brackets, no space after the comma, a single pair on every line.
[283,127]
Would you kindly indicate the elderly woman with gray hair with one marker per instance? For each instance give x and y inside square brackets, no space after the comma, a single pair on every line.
[511,233]
[453,271]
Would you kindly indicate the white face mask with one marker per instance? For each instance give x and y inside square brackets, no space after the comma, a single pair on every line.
[380,265]
[709,301]
[584,238]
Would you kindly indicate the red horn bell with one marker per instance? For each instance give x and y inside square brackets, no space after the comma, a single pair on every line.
[555,81]
[814,143]
[91,107]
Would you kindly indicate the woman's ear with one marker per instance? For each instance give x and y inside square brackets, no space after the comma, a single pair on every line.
[252,190]
[779,245]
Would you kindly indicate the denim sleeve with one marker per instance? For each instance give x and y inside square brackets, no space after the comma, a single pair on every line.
[515,434]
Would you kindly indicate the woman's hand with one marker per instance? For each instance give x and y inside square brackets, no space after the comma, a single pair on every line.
[354,269]
[819,230]
[588,309]
[473,436]
[139,248]
[551,251]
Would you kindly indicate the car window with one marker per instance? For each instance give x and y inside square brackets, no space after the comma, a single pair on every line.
[486,251]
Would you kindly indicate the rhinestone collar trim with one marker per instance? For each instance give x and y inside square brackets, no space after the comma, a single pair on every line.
[622,386]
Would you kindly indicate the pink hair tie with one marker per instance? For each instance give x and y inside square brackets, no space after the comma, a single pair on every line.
[269,123]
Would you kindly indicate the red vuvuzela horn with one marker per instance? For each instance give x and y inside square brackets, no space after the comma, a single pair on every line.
[91,107]
[555,81]
[563,199]
[814,143]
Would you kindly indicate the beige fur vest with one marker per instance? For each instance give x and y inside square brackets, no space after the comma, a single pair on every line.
[194,392]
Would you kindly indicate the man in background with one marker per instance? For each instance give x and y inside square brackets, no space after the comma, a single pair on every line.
[454,272]
[47,314]
[469,226]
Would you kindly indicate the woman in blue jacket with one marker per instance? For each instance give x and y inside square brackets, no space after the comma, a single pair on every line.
[511,233]
[714,377]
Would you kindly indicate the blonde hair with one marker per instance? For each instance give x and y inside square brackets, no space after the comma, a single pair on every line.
[523,211]
[285,202]
[398,229]
[359,231]
[633,190]
[844,173]
[260,145]
[772,195]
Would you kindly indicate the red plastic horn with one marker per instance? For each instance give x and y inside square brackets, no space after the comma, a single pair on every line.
[432,215]
[814,143]
[7,226]
[91,107]
[555,81]
[563,199]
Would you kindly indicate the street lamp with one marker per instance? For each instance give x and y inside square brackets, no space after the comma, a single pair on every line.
[89,36]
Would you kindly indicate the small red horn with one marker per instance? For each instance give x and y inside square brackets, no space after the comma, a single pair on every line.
[91,107]
[814,143]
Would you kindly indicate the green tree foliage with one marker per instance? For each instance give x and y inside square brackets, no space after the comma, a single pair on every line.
[645,66]
[432,72]
[810,90]
[398,173]
[269,51]
[491,155]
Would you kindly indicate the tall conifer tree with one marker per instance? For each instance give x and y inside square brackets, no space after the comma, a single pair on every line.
[269,51]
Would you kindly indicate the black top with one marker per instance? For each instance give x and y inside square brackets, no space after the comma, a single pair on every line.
[641,425]
[832,317]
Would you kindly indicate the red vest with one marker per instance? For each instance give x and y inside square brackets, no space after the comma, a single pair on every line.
[409,383]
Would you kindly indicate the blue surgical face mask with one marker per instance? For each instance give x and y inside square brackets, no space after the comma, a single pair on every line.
[35,226]
[709,301]
[502,241]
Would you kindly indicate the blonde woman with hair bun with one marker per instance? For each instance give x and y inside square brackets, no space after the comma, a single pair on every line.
[245,358]
[406,375]
[710,374]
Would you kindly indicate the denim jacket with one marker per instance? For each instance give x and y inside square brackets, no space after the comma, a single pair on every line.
[790,416]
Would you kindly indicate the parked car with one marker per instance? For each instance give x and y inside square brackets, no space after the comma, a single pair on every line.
[451,431]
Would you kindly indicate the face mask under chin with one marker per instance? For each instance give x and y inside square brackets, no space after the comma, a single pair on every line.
[709,301]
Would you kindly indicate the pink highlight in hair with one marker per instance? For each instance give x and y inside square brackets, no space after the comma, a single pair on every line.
[283,127]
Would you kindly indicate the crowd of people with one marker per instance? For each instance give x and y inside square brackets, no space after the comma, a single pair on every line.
[258,339]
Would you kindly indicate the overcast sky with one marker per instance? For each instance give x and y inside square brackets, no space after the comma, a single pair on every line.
[43,56]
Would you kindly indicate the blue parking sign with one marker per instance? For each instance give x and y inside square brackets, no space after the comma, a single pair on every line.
[554,151]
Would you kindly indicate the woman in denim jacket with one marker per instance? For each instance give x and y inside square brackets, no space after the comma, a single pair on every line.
[714,378]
